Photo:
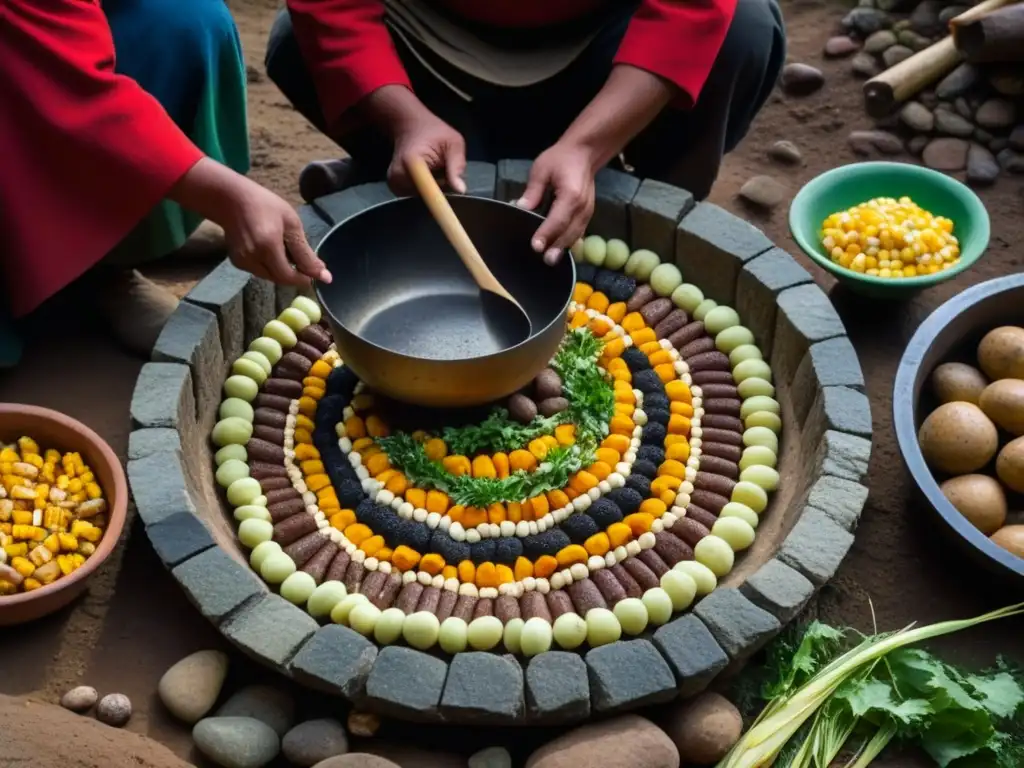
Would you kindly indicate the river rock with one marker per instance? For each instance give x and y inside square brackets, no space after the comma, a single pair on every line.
[925,18]
[957,82]
[492,757]
[951,124]
[866,21]
[998,144]
[1007,81]
[190,688]
[996,113]
[269,705]
[80,699]
[313,741]
[982,136]
[704,729]
[628,741]
[405,756]
[917,117]
[763,191]
[894,6]
[930,100]
[1016,138]
[840,46]
[236,742]
[865,65]
[1010,161]
[357,760]
[951,11]
[895,55]
[912,40]
[786,152]
[946,154]
[963,107]
[867,142]
[917,144]
[114,709]
[801,79]
[982,168]
[879,41]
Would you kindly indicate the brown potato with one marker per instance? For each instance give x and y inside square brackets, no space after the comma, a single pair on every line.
[958,438]
[1001,353]
[1010,538]
[1010,465]
[521,408]
[958,381]
[1003,402]
[979,498]
[547,384]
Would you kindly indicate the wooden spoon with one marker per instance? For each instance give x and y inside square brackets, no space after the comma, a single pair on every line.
[503,314]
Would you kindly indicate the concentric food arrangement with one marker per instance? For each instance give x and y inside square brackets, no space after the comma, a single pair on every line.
[651,507]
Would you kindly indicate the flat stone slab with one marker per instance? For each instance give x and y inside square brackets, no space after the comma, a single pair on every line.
[691,651]
[484,688]
[217,584]
[628,674]
[406,683]
[481,179]
[192,337]
[758,284]
[335,660]
[143,442]
[159,486]
[841,499]
[805,316]
[816,546]
[778,589]
[557,687]
[314,225]
[654,214]
[829,363]
[613,192]
[222,292]
[842,409]
[163,397]
[179,537]
[337,207]
[271,629]
[844,455]
[739,626]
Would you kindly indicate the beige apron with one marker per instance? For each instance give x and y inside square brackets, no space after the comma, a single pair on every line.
[416,21]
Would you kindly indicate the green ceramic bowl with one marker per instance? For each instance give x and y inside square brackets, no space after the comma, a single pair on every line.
[849,185]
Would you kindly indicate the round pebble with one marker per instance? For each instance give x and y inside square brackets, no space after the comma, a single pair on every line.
[536,637]
[754,387]
[761,475]
[231,470]
[631,614]
[281,333]
[681,587]
[80,698]
[492,757]
[658,604]
[421,629]
[190,688]
[602,627]
[277,567]
[363,618]
[268,347]
[236,742]
[298,587]
[484,633]
[665,278]
[243,491]
[314,741]
[270,705]
[244,366]
[595,249]
[616,255]
[703,577]
[570,631]
[720,318]
[753,496]
[641,264]
[742,511]
[242,387]
[229,452]
[756,455]
[716,554]
[389,626]
[231,430]
[254,531]
[687,297]
[324,598]
[453,635]
[308,307]
[114,709]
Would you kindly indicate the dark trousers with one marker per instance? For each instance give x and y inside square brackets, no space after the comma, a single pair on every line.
[681,147]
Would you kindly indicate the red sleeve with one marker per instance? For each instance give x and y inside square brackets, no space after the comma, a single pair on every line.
[348,50]
[87,153]
[678,40]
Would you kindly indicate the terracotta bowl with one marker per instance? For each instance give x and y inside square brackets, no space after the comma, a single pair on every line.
[55,430]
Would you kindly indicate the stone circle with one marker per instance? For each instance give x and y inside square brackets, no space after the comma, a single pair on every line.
[802,535]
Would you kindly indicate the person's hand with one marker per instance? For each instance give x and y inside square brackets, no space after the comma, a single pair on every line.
[569,171]
[438,144]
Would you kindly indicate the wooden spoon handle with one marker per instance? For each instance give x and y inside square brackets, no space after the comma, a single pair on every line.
[442,212]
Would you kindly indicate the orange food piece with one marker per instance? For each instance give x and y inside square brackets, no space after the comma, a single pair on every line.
[539,448]
[678,391]
[486,575]
[386,475]
[314,382]
[343,519]
[557,499]
[311,393]
[437,501]
[609,456]
[579,319]
[302,436]
[673,468]
[570,555]
[616,311]
[467,572]
[514,510]
[679,451]
[316,482]
[417,497]
[505,575]
[372,545]
[619,534]
[304,422]
[500,464]
[376,427]
[456,465]
[456,513]
[355,428]
[435,449]
[621,425]
[540,506]
[618,370]
[328,500]
[378,463]
[643,336]
[678,425]
[613,348]
[598,544]
[307,405]
[652,507]
[598,302]
[666,372]
[304,452]
[600,470]
[432,563]
[473,516]
[639,522]
[600,326]
[523,569]
[624,409]
[385,554]
[362,444]
[449,572]
[619,443]
[397,484]
[659,357]
[582,481]
[581,293]
[665,483]
[496,513]
[680,408]
[312,467]
[634,321]
[565,434]
[521,461]
[357,533]
[321,369]
[482,466]
[545,566]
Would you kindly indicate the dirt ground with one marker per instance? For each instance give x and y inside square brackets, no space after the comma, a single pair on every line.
[135,623]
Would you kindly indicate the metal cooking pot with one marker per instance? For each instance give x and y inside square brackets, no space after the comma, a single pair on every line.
[394,256]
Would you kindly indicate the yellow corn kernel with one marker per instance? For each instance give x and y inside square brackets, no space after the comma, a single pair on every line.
[23,565]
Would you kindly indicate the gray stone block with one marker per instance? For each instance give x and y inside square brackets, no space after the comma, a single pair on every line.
[692,652]
[337,207]
[314,225]
[406,683]
[805,316]
[778,589]
[511,178]
[829,363]
[816,546]
[844,455]
[159,486]
[259,300]
[613,192]
[192,337]
[481,179]
[739,626]
[164,397]
[179,537]
[270,630]
[335,660]
[757,288]
[217,584]
[143,442]
[839,408]
[284,295]
[628,674]
[654,214]
[841,499]
[557,688]
[712,246]
[483,688]
[223,293]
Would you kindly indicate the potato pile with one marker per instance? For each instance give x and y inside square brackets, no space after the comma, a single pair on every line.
[981,417]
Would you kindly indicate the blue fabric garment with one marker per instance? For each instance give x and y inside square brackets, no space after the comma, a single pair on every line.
[187,54]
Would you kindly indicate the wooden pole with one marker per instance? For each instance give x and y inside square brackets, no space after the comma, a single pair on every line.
[999,36]
[884,92]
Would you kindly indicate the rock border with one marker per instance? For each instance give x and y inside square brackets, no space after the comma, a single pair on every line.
[175,404]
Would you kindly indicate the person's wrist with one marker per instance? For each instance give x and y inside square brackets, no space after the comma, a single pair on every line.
[394,109]
[209,189]
[594,152]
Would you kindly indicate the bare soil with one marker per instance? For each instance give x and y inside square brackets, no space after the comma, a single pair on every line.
[134,623]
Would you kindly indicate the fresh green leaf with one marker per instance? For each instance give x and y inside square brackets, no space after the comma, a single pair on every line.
[874,699]
[499,433]
[818,645]
[999,692]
